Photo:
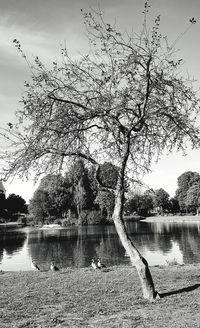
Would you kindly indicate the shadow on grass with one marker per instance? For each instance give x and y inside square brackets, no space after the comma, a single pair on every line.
[179,291]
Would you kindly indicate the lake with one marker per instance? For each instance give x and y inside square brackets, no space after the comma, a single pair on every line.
[160,243]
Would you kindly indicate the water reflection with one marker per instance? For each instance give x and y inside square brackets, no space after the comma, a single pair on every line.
[75,247]
[174,241]
[159,243]
[11,243]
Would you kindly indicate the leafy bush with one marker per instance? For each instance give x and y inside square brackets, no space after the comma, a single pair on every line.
[58,221]
[72,220]
[31,220]
[50,219]
[92,217]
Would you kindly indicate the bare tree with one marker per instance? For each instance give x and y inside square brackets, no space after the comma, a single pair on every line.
[125,102]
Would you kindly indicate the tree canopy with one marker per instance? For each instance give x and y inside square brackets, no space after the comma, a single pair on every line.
[161,199]
[11,207]
[126,92]
[53,198]
[193,195]
[185,181]
[142,204]
[15,204]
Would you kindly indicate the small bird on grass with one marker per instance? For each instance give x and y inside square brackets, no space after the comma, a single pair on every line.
[94,265]
[34,266]
[100,265]
[53,267]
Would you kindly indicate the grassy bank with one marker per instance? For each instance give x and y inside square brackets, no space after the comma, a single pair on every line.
[86,298]
[174,218]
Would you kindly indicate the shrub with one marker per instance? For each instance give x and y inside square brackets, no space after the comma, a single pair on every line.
[50,219]
[92,217]
[72,220]
[58,221]
[31,220]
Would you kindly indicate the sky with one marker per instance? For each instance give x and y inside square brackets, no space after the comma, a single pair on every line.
[42,26]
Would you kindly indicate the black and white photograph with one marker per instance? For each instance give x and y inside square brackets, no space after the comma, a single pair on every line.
[99,164]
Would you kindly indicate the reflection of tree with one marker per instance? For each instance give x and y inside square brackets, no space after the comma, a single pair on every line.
[88,239]
[78,253]
[148,235]
[76,247]
[110,250]
[160,236]
[68,248]
[185,235]
[11,241]
[189,244]
[45,247]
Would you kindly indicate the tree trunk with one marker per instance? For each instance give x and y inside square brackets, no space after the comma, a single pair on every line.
[136,258]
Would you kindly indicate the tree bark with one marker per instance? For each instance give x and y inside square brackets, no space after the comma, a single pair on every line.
[136,258]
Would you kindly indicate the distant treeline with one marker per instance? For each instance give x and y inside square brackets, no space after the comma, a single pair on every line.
[186,200]
[77,198]
[11,206]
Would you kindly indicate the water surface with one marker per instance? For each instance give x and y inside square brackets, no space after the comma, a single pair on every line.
[160,243]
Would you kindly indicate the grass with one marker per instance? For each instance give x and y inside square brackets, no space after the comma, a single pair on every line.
[112,298]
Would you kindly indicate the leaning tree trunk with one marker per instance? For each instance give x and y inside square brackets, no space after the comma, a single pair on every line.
[136,258]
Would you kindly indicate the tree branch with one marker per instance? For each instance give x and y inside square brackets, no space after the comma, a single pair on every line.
[69,102]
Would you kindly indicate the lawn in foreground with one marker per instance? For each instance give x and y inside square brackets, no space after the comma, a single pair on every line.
[112,298]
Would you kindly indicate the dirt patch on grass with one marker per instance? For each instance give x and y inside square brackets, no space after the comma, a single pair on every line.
[112,298]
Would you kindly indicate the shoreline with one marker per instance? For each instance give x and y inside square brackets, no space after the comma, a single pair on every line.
[150,219]
[174,219]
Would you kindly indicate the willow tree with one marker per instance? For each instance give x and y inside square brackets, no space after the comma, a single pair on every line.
[125,102]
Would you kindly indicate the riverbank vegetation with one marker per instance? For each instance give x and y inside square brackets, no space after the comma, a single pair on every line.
[77,198]
[110,298]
